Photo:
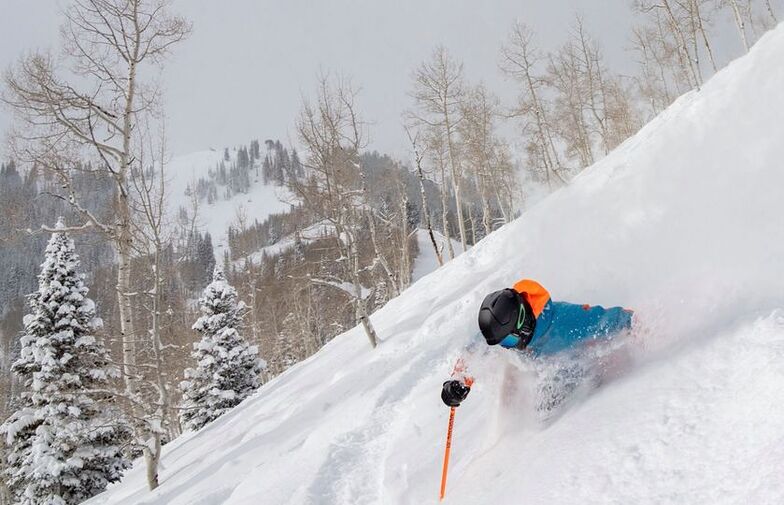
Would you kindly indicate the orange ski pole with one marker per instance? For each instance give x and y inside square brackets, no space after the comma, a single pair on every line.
[459,370]
[446,452]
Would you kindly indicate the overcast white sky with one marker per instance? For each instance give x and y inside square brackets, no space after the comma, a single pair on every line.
[244,70]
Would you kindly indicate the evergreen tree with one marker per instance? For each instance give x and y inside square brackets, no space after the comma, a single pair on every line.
[64,443]
[280,164]
[243,160]
[222,175]
[205,258]
[227,266]
[266,169]
[299,248]
[227,367]
[297,171]
[10,180]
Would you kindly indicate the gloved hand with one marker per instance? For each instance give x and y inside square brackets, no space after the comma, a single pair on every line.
[453,392]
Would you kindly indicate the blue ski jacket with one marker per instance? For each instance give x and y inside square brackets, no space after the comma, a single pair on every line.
[561,325]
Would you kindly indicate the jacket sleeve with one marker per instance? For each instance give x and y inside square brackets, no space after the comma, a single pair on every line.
[608,321]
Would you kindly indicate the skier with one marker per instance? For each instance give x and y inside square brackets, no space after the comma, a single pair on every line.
[525,318]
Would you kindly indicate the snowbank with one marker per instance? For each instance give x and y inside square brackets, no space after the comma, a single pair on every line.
[683,222]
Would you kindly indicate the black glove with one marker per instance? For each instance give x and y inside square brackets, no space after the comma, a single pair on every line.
[454,392]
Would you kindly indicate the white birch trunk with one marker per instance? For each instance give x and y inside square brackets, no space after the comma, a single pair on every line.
[739,23]
[445,212]
[457,180]
[771,12]
[683,47]
[425,209]
[703,33]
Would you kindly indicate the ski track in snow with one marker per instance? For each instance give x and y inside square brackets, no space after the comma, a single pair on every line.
[682,223]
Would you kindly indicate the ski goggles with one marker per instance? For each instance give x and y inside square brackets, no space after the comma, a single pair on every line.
[510,341]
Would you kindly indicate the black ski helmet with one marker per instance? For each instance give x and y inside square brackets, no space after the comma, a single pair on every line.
[498,315]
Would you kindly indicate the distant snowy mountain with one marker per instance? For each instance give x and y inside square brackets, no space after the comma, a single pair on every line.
[683,222]
[260,201]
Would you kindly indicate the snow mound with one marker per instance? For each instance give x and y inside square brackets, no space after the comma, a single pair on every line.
[683,222]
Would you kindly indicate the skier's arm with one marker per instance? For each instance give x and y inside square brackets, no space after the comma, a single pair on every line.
[601,322]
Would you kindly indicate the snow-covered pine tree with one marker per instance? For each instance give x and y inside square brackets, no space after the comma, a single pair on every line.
[64,442]
[227,367]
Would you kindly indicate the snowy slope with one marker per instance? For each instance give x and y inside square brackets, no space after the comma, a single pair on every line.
[308,235]
[683,222]
[260,201]
[427,261]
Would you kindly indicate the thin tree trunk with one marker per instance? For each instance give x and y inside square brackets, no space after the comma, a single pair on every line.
[125,309]
[701,27]
[472,222]
[393,283]
[740,24]
[311,343]
[360,303]
[684,48]
[752,26]
[405,260]
[505,212]
[154,211]
[124,234]
[152,456]
[425,210]
[381,258]
[370,331]
[771,12]
[549,153]
[254,313]
[642,46]
[445,212]
[696,43]
[662,64]
[348,248]
[457,180]
[487,218]
[590,60]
